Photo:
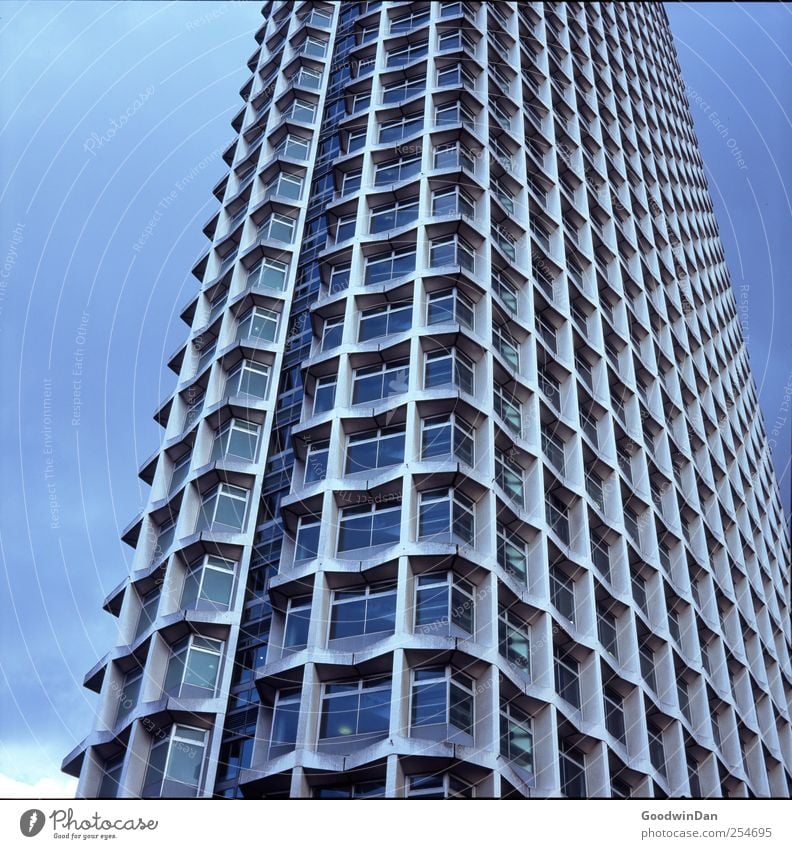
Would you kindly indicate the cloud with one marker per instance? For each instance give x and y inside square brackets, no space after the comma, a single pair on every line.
[44,788]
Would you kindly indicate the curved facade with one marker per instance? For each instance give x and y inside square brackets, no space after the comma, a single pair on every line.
[464,489]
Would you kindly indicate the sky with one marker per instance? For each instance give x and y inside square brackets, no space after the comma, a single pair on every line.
[113,119]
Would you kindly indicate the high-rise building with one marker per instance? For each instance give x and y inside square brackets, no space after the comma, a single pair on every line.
[464,489]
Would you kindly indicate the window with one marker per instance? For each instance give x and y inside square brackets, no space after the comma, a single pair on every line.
[553,447]
[406,23]
[606,628]
[286,714]
[646,658]
[307,540]
[319,18]
[373,383]
[298,620]
[400,128]
[446,436]
[223,509]
[129,694]
[166,533]
[452,250]
[567,677]
[361,101]
[284,185]
[600,554]
[573,771]
[175,763]
[303,110]
[457,75]
[208,584]
[316,461]
[385,267]
[656,749]
[386,320]
[516,737]
[453,202]
[450,114]
[193,667]
[258,323]
[396,170]
[509,409]
[237,438]
[351,181]
[355,708]
[454,155]
[268,274]
[360,612]
[509,477]
[456,41]
[442,696]
[445,786]
[506,290]
[513,554]
[109,786]
[448,367]
[248,380]
[314,47]
[307,78]
[332,333]
[324,394]
[631,526]
[278,227]
[445,515]
[393,215]
[368,525]
[557,515]
[218,302]
[345,227]
[514,639]
[339,278]
[181,468]
[205,354]
[404,55]
[148,611]
[638,584]
[614,715]
[357,138]
[562,593]
[684,699]
[360,790]
[550,387]
[450,305]
[294,147]
[444,605]
[403,90]
[506,345]
[594,488]
[374,449]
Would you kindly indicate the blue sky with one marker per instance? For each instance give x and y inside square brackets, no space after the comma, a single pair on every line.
[109,109]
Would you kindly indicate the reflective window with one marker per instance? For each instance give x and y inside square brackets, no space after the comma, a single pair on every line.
[307,540]
[298,620]
[193,667]
[374,449]
[258,323]
[442,696]
[355,708]
[447,436]
[368,526]
[223,509]
[175,763]
[209,583]
[516,737]
[446,515]
[514,639]
[385,320]
[248,379]
[450,305]
[373,383]
[444,605]
[369,610]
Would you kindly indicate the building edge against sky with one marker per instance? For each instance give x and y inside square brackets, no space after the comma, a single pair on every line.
[463,490]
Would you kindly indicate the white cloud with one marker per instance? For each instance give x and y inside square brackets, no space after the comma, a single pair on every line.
[44,788]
